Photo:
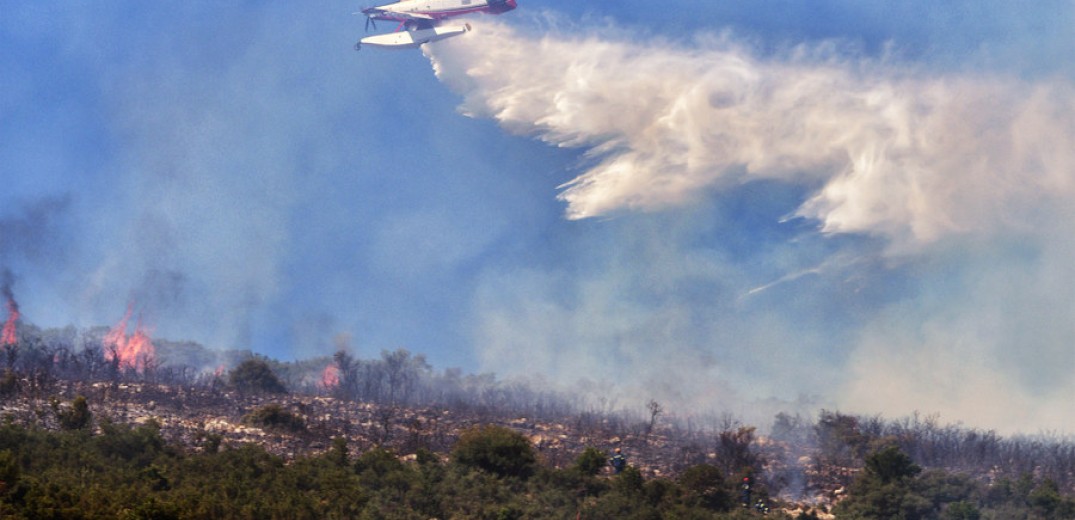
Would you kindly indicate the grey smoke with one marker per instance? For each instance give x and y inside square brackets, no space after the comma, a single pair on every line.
[953,190]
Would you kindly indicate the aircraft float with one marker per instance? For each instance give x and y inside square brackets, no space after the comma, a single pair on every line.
[422,21]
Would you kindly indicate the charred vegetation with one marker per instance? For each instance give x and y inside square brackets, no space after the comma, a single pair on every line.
[200,401]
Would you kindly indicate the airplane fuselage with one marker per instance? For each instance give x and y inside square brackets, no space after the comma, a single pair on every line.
[420,20]
[441,9]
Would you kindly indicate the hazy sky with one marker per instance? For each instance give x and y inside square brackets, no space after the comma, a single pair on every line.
[869,205]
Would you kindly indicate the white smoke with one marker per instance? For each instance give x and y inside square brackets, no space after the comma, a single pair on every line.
[965,180]
[895,152]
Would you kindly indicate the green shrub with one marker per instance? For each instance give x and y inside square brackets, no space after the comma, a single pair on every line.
[255,375]
[497,450]
[77,417]
[591,461]
[704,485]
[275,417]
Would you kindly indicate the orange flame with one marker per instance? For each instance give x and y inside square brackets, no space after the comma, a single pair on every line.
[134,352]
[330,377]
[9,337]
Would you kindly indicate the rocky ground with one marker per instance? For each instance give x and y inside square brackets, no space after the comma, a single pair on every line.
[196,417]
[188,415]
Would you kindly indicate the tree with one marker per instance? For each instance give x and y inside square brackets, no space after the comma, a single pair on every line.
[961,511]
[655,410]
[629,482]
[704,485]
[9,471]
[275,417]
[734,451]
[139,445]
[339,452]
[591,461]
[11,354]
[375,466]
[497,450]
[77,417]
[9,383]
[1047,500]
[793,430]
[889,464]
[347,368]
[840,439]
[254,375]
[402,372]
[887,489]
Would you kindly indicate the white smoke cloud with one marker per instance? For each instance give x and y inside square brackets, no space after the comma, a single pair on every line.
[249,175]
[990,343]
[961,181]
[897,153]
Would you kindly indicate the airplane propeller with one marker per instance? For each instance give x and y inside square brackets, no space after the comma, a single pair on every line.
[370,22]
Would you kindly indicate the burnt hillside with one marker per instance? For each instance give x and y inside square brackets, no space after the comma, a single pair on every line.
[203,399]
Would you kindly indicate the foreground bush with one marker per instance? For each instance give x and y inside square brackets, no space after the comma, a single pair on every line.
[131,472]
[496,449]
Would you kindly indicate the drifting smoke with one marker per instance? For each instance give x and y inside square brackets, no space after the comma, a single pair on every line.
[961,182]
[898,154]
[9,335]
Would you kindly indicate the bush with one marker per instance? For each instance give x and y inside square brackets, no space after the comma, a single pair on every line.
[9,383]
[497,450]
[9,471]
[889,464]
[705,486]
[887,489]
[591,461]
[77,417]
[275,417]
[629,481]
[961,511]
[254,375]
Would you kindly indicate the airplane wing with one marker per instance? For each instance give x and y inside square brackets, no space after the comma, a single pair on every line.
[413,16]
[416,21]
[408,19]
[399,16]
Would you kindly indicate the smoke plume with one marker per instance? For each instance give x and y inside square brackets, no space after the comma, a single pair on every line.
[9,334]
[892,152]
[932,274]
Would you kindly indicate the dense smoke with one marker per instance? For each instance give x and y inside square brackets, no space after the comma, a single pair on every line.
[9,333]
[904,155]
[857,228]
[7,282]
[944,198]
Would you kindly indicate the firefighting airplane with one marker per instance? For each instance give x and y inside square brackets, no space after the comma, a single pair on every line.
[420,20]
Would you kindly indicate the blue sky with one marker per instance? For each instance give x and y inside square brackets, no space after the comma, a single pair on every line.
[882,197]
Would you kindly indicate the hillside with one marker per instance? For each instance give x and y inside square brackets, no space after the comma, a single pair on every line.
[398,405]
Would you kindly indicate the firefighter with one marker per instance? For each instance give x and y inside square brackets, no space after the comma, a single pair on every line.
[618,462]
